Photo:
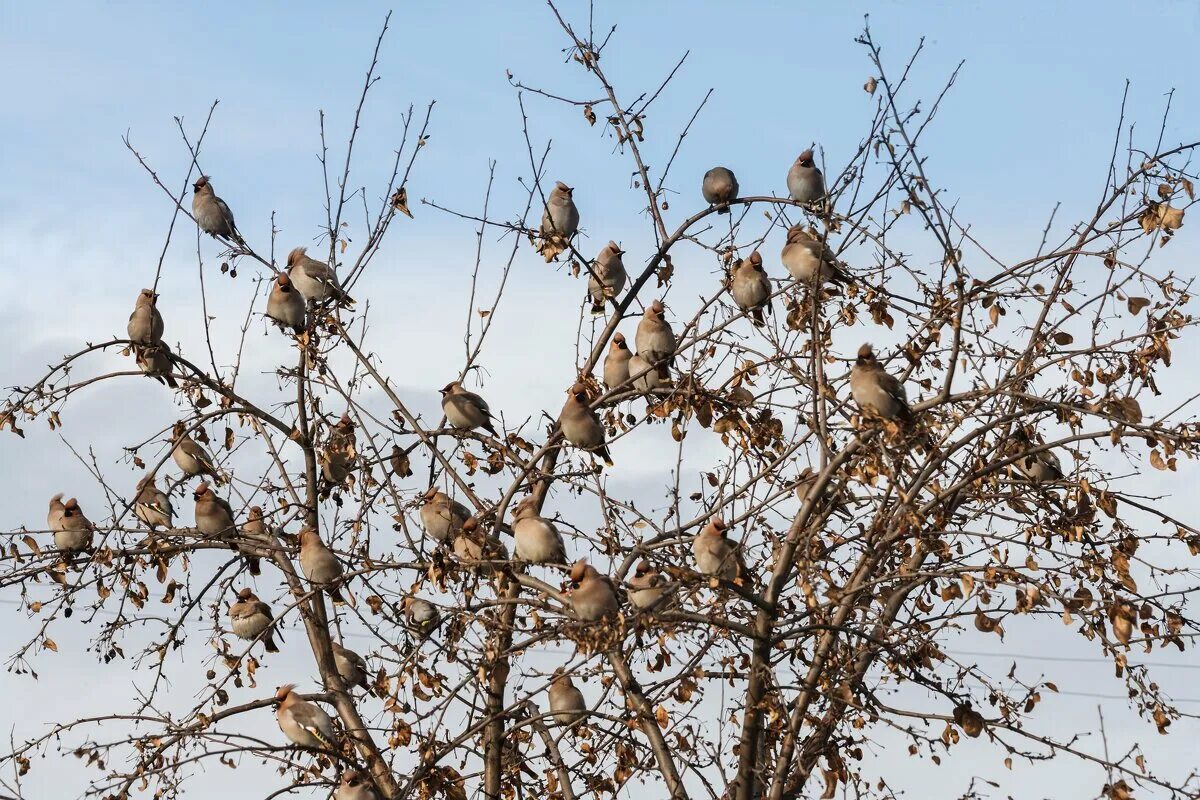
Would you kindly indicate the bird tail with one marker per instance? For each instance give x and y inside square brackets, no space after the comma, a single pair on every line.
[269,641]
[597,308]
[723,210]
[255,565]
[602,451]
[335,594]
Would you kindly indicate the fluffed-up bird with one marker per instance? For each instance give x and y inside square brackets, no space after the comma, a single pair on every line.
[155,360]
[304,722]
[191,457]
[750,287]
[715,554]
[211,213]
[315,280]
[250,617]
[537,539]
[472,543]
[647,586]
[214,515]
[806,257]
[285,305]
[255,540]
[567,705]
[466,410]
[145,323]
[320,566]
[616,363]
[441,517]
[560,220]
[719,188]
[1041,467]
[592,595]
[421,616]
[876,392]
[72,530]
[151,504]
[351,667]
[607,277]
[355,785]
[580,424]
[655,340]
[646,378]
[340,452]
[804,180]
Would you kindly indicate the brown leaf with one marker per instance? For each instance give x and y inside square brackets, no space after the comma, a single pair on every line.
[400,201]
[1136,304]
[869,86]
[589,115]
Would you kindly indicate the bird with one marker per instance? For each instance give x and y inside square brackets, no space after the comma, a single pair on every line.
[440,516]
[750,287]
[715,555]
[400,462]
[875,391]
[72,530]
[720,186]
[561,218]
[190,457]
[592,595]
[1039,467]
[337,457]
[255,540]
[211,213]
[655,340]
[471,543]
[646,587]
[320,565]
[355,785]
[145,323]
[567,705]
[607,277]
[315,280]
[303,722]
[806,257]
[350,666]
[251,618]
[537,540]
[616,363]
[151,504]
[804,181]
[580,425]
[466,410]
[155,360]
[421,615]
[285,305]
[214,515]
[646,378]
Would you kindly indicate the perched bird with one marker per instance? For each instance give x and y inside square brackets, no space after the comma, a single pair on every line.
[211,213]
[655,340]
[351,667]
[608,276]
[250,617]
[715,554]
[315,280]
[561,217]
[1040,467]
[804,181]
[876,392]
[646,378]
[580,425]
[471,543]
[400,462]
[72,530]
[807,257]
[537,540]
[592,595]
[355,785]
[338,456]
[151,504]
[466,410]
[421,615]
[646,587]
[214,515]
[145,323]
[303,722]
[285,305]
[190,457]
[616,363]
[320,565]
[440,516]
[567,705]
[719,188]
[255,540]
[750,287]
[155,361]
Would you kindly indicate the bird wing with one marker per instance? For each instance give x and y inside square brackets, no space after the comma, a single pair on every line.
[225,210]
[315,721]
[892,385]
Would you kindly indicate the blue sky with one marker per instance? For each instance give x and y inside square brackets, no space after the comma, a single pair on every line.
[1029,124]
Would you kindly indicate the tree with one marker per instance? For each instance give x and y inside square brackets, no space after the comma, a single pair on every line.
[838,513]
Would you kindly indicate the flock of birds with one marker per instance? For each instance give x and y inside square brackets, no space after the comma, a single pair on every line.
[307,285]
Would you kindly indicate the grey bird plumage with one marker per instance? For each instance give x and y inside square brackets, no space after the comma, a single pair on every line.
[719,187]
